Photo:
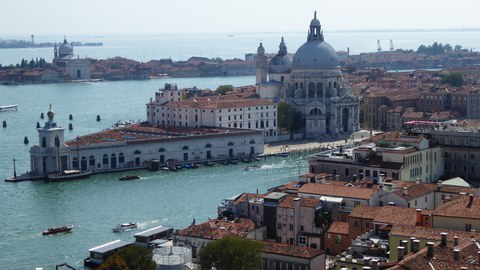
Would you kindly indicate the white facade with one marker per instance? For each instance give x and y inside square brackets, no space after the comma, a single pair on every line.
[170,109]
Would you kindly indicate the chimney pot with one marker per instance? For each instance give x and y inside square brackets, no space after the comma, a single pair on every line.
[455,240]
[456,254]
[430,250]
[439,183]
[405,191]
[470,200]
[401,252]
[443,241]
[374,264]
[391,203]
[415,246]
[417,181]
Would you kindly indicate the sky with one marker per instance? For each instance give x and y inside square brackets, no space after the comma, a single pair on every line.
[24,17]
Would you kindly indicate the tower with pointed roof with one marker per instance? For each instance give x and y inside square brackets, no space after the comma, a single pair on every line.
[261,65]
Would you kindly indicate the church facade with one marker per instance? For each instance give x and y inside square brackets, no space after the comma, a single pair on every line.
[75,67]
[311,82]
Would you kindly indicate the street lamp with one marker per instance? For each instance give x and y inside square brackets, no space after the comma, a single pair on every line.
[14,169]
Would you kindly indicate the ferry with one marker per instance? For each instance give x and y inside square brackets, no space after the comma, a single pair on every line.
[54,230]
[128,177]
[9,108]
[67,175]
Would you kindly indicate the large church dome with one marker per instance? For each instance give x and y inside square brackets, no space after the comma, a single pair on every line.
[315,53]
[282,62]
[65,49]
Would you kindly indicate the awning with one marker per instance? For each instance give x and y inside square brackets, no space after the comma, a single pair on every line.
[331,199]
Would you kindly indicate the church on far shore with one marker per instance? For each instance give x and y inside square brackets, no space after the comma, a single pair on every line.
[310,81]
[75,68]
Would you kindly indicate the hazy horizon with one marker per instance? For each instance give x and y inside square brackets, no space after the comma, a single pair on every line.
[93,17]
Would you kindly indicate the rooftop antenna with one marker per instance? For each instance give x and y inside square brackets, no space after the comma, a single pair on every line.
[391,45]
[379,47]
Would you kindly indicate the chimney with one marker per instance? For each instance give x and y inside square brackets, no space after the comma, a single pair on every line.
[439,183]
[391,203]
[418,181]
[455,240]
[381,178]
[478,256]
[374,264]
[323,181]
[456,254]
[443,241]
[366,268]
[419,216]
[296,203]
[415,246]
[405,191]
[430,250]
[470,199]
[337,177]
[401,252]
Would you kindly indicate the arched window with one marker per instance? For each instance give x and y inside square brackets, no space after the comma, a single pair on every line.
[230,144]
[121,158]
[335,84]
[315,111]
[319,90]
[262,124]
[75,162]
[311,90]
[105,159]
[91,161]
[161,150]
[234,124]
[137,152]
[208,145]
[83,163]
[252,141]
[185,148]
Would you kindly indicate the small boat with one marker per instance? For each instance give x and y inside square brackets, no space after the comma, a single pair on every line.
[233,161]
[67,175]
[283,154]
[128,177]
[55,230]
[209,163]
[125,226]
[187,166]
[224,162]
[195,166]
[252,167]
[246,160]
[256,159]
[9,108]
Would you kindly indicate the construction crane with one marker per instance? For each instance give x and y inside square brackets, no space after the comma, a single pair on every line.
[391,45]
[379,47]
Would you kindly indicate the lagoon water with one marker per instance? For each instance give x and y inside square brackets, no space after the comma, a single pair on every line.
[97,204]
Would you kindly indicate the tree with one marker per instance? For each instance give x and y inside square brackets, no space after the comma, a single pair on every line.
[113,262]
[285,116]
[137,258]
[223,89]
[453,79]
[231,253]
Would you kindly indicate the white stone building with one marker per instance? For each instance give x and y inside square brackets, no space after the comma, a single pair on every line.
[312,83]
[134,146]
[237,110]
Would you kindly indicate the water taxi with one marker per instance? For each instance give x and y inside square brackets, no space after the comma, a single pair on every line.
[9,108]
[124,226]
[54,230]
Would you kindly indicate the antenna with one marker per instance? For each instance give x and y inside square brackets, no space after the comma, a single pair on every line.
[379,47]
[391,45]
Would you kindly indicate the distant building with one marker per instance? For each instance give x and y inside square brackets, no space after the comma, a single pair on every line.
[75,68]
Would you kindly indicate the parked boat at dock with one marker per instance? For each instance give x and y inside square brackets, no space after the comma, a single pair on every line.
[252,167]
[55,230]
[67,175]
[124,226]
[128,177]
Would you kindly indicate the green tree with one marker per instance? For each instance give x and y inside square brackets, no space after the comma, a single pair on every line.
[453,79]
[31,64]
[137,258]
[231,253]
[223,89]
[113,262]
[285,115]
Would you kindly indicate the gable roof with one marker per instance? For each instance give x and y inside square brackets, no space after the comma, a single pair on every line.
[365,211]
[338,227]
[337,191]
[291,250]
[463,206]
[217,229]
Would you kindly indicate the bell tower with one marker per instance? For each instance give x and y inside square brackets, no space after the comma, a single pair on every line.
[261,65]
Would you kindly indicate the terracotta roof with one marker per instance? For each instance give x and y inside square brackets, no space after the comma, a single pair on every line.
[460,207]
[213,103]
[432,233]
[217,229]
[416,191]
[456,189]
[338,227]
[146,132]
[396,215]
[290,250]
[365,211]
[337,191]
[304,202]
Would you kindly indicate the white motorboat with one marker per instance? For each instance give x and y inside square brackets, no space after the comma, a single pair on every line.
[125,226]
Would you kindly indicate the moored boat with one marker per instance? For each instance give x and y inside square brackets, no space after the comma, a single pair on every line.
[67,175]
[128,177]
[125,226]
[54,230]
[252,167]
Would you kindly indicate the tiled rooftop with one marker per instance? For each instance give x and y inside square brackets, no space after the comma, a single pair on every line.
[337,191]
[338,227]
[290,250]
[462,206]
[217,229]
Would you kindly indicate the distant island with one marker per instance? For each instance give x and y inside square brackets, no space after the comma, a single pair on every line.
[17,44]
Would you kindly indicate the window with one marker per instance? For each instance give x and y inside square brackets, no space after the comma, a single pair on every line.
[91,161]
[105,159]
[290,227]
[301,228]
[194,252]
[426,199]
[279,225]
[121,158]
[327,236]
[468,227]
[355,224]
[338,239]
[302,240]
[347,172]
[367,225]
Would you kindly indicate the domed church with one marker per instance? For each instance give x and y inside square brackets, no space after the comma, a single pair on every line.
[311,81]
[75,68]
